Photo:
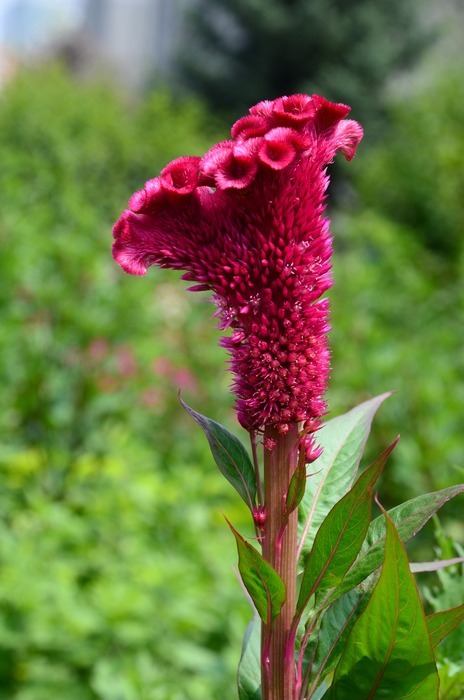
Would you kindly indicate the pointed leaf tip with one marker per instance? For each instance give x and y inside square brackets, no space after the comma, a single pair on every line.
[409,518]
[442,623]
[230,456]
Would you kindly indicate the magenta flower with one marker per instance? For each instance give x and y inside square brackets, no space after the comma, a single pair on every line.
[246,222]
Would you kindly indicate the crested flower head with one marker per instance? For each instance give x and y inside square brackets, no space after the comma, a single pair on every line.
[247,222]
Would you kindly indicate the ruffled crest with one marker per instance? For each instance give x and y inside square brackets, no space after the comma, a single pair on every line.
[181,176]
[246,221]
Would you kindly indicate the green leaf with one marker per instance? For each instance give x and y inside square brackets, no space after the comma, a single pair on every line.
[442,623]
[249,668]
[318,695]
[343,439]
[333,632]
[230,456]
[266,588]
[409,518]
[296,489]
[388,653]
[341,535]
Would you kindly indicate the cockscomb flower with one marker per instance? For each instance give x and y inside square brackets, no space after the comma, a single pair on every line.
[247,222]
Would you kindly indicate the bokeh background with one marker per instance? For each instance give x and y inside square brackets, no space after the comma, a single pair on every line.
[116,567]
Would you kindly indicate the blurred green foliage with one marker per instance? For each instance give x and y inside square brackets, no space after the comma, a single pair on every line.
[398,301]
[122,588]
[116,575]
[448,593]
[397,325]
[416,178]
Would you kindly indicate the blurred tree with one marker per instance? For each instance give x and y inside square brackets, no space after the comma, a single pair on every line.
[243,51]
[415,177]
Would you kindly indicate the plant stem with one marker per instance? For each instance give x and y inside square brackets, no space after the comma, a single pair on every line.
[280,550]
[254,452]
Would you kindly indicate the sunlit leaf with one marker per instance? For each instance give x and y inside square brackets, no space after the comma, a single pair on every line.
[409,518]
[318,695]
[343,439]
[389,653]
[341,535]
[230,456]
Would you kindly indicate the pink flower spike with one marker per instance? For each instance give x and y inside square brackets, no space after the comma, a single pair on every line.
[198,288]
[249,126]
[263,109]
[138,200]
[277,150]
[213,159]
[328,113]
[260,242]
[312,450]
[300,139]
[180,177]
[238,169]
[246,151]
[126,251]
[259,516]
[294,110]
[345,137]
[145,199]
[269,443]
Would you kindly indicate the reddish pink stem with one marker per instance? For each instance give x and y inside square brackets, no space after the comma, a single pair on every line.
[279,549]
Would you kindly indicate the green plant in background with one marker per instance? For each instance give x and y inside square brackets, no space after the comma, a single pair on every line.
[446,595]
[89,582]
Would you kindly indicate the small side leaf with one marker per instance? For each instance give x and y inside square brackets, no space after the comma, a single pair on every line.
[230,456]
[388,653]
[341,535]
[442,623]
[249,668]
[343,440]
[266,588]
[409,518]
